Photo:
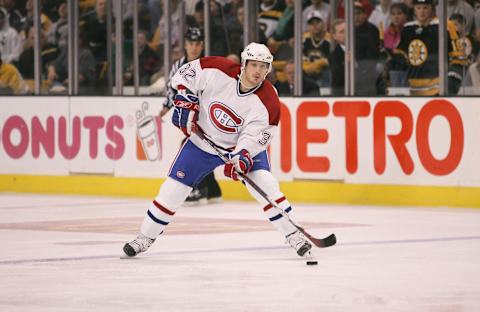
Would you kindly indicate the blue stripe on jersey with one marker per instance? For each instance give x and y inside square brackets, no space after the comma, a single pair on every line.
[156,219]
[278,216]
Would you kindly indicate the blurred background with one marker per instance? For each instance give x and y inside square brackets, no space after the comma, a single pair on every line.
[320,47]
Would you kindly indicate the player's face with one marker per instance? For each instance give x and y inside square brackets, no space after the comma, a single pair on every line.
[255,72]
[423,12]
[194,49]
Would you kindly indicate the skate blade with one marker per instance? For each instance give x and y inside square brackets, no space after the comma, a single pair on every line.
[309,256]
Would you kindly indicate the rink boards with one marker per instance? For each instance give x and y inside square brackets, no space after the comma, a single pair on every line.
[405,151]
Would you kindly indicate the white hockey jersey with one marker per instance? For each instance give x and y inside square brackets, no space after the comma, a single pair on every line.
[231,119]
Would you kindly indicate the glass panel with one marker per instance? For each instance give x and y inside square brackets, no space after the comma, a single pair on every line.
[54,48]
[93,69]
[369,78]
[277,21]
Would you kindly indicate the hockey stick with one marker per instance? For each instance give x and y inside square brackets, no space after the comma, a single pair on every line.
[319,242]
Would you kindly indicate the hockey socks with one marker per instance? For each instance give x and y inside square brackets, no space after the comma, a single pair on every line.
[284,226]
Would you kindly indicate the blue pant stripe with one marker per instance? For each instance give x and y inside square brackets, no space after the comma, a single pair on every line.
[156,219]
[278,216]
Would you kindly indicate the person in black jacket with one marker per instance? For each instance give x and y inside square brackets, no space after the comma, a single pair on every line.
[367,53]
[337,58]
[309,86]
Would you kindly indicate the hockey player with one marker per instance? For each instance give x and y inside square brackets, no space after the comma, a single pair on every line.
[208,189]
[238,111]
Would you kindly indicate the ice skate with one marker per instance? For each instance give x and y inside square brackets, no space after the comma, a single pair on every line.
[138,245]
[299,243]
[196,197]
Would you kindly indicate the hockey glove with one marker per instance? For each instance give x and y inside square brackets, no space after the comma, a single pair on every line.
[186,110]
[239,162]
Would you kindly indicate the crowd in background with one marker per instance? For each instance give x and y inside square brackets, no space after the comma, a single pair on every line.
[378,31]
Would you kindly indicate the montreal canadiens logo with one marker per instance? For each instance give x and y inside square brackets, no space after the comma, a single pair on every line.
[224,118]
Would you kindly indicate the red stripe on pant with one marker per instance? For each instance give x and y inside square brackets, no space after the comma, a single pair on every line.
[278,201]
[163,209]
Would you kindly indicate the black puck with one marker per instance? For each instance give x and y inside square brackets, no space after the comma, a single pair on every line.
[312,262]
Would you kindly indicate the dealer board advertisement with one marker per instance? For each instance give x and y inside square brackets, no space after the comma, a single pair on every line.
[414,141]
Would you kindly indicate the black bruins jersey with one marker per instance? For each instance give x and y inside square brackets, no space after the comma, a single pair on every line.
[315,55]
[419,46]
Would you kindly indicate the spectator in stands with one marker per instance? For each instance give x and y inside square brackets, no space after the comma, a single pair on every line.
[26,62]
[220,46]
[318,6]
[316,49]
[398,16]
[10,40]
[155,12]
[50,8]
[95,30]
[367,53]
[284,30]
[337,58]
[462,7]
[175,29]
[58,35]
[11,82]
[418,49]
[58,69]
[286,88]
[380,17]
[28,20]
[149,63]
[235,31]
[367,6]
[270,13]
[15,17]
[469,44]
[86,5]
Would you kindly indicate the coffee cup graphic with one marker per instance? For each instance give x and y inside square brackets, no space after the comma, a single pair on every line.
[147,134]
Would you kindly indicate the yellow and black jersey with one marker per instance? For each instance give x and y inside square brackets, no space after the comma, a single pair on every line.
[315,55]
[419,46]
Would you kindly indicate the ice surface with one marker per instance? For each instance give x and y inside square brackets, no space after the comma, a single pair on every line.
[62,253]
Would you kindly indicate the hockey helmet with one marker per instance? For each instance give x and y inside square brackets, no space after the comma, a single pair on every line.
[194,34]
[257,52]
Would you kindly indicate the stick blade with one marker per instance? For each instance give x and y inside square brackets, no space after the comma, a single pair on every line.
[322,242]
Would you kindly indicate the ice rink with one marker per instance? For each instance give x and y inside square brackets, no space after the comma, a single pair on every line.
[62,253]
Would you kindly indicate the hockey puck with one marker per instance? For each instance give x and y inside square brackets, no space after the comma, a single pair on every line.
[312,262]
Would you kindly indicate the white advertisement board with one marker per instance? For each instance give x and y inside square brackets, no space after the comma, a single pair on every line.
[414,141]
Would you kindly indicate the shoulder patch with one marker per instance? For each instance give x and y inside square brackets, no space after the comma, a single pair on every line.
[270,99]
[228,67]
